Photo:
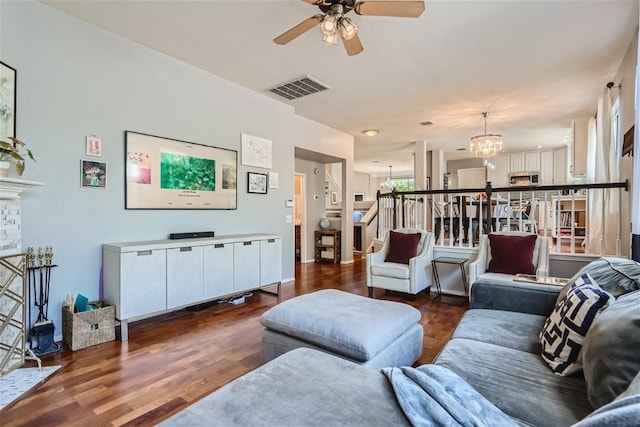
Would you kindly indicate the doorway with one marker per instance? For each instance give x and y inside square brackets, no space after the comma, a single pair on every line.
[299,207]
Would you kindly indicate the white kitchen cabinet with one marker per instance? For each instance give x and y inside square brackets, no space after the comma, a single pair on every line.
[143,279]
[546,167]
[532,162]
[560,166]
[184,276]
[580,132]
[218,269]
[517,162]
[499,175]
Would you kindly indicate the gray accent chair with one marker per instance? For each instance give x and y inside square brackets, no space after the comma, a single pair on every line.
[410,279]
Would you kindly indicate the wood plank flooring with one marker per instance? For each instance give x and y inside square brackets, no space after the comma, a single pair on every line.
[173,360]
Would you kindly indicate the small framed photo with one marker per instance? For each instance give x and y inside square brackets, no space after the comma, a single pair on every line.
[274,180]
[334,197]
[257,183]
[93,146]
[93,174]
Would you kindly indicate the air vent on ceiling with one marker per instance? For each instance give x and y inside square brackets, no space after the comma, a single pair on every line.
[298,88]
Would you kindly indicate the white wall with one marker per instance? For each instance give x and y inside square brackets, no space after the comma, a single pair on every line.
[76,80]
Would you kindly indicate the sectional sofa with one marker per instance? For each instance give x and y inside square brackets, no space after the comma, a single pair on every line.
[492,368]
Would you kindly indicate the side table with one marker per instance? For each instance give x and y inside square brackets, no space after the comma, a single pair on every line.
[450,260]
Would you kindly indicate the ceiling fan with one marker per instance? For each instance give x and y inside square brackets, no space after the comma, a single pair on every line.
[333,20]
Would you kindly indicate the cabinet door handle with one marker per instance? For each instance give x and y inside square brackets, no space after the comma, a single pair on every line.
[271,241]
[218,245]
[186,249]
[144,253]
[247,243]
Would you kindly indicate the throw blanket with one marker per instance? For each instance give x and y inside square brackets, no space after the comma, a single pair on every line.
[432,395]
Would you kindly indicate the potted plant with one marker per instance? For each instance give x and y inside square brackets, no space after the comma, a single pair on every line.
[12,150]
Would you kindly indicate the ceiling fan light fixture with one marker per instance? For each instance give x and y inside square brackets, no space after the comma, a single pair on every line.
[329,24]
[347,28]
[330,38]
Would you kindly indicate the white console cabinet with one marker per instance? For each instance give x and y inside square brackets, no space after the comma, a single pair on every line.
[143,279]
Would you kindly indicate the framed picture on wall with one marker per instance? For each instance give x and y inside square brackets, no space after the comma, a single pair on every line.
[93,174]
[93,146]
[257,183]
[7,101]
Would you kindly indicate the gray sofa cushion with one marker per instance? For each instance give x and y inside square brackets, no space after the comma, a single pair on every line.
[610,351]
[616,275]
[520,384]
[301,388]
[344,323]
[500,292]
[510,329]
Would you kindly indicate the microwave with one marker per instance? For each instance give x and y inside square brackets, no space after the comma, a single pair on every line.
[519,179]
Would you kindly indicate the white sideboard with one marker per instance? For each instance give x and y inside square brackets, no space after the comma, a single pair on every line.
[143,279]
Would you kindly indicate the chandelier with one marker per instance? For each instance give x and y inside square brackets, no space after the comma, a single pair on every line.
[387,186]
[335,21]
[486,145]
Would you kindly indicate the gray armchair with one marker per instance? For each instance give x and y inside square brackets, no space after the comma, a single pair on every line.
[411,278]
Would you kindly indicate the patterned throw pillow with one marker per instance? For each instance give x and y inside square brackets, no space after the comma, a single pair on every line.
[564,330]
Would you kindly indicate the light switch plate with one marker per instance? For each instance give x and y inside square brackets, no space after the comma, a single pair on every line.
[288,203]
[288,219]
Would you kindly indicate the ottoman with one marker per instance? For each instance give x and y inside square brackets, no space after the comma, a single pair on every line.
[366,331]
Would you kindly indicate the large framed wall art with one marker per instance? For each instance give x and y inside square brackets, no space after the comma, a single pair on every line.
[163,173]
[7,101]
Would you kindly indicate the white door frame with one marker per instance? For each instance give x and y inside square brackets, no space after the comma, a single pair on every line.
[305,220]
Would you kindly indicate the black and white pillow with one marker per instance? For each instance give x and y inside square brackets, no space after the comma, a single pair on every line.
[564,330]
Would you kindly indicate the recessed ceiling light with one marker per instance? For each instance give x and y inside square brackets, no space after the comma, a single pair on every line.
[539,146]
[370,132]
[427,123]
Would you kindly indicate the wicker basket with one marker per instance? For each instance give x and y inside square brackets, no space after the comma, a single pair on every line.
[88,328]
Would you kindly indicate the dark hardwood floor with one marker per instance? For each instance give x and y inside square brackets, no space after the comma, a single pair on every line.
[173,360]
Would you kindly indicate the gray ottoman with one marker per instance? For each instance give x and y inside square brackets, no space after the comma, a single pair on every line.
[366,331]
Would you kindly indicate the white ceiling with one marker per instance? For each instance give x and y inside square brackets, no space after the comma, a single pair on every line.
[534,65]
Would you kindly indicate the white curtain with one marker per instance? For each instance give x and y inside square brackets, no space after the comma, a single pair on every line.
[602,166]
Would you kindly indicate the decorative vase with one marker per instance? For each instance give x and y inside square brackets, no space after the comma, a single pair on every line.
[94,180]
[4,169]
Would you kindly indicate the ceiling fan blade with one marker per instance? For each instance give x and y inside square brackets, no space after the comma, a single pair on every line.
[299,29]
[316,2]
[353,46]
[402,9]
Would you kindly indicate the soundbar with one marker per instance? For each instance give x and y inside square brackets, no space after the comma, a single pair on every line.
[194,235]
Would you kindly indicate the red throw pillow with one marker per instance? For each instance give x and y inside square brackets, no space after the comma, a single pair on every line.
[512,254]
[402,247]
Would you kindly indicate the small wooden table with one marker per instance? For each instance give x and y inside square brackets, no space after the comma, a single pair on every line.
[450,260]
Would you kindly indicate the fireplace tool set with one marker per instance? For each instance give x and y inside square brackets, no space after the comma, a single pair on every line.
[39,284]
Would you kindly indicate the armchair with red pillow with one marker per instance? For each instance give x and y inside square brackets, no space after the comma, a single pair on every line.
[404,262]
[505,254]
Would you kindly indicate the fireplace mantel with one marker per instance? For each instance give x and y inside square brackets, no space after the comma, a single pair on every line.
[10,213]
[11,188]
